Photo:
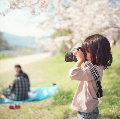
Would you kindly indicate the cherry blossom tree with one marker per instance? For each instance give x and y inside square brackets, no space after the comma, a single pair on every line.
[34,5]
[86,17]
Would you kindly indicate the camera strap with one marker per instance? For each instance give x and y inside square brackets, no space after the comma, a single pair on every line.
[96,77]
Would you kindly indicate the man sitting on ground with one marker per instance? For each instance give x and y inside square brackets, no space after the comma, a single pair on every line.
[20,87]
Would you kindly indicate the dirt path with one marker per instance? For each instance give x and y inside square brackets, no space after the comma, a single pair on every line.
[6,65]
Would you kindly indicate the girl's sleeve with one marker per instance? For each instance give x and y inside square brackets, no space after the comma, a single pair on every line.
[82,74]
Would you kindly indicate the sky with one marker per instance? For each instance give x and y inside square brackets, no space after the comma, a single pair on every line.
[23,23]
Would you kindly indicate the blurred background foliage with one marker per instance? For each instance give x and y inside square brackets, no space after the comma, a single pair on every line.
[61,32]
[3,44]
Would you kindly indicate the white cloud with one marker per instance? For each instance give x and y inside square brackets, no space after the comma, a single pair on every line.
[21,22]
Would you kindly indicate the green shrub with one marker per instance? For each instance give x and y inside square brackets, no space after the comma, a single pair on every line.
[62,97]
[61,32]
[63,48]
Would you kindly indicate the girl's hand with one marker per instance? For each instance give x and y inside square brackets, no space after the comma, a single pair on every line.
[80,56]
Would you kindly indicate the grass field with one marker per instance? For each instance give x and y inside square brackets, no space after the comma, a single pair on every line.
[55,70]
[3,56]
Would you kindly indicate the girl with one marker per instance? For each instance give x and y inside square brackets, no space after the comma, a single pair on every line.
[85,100]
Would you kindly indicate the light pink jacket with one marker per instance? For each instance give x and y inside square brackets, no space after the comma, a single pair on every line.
[85,99]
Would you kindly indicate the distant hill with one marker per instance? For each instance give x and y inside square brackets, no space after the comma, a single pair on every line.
[19,40]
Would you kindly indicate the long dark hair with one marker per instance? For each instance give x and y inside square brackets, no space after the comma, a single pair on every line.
[99,48]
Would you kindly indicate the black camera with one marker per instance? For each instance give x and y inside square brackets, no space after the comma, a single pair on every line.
[69,57]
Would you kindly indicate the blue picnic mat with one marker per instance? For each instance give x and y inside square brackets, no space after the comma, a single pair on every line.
[38,93]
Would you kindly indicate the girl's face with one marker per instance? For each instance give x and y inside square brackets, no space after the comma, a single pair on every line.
[89,56]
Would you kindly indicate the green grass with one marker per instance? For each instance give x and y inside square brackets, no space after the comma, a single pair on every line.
[3,56]
[25,50]
[55,70]
[62,97]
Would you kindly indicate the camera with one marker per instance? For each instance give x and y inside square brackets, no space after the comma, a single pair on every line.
[69,57]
